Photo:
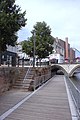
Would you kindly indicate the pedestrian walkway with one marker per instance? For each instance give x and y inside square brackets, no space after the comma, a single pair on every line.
[10,99]
[49,102]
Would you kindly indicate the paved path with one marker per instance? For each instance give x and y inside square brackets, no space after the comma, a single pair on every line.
[48,103]
[10,99]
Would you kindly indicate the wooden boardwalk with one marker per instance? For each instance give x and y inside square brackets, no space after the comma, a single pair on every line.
[48,103]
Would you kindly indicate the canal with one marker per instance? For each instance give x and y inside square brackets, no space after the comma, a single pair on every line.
[76,79]
[74,88]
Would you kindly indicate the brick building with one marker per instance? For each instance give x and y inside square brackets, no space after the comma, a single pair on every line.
[72,54]
[62,51]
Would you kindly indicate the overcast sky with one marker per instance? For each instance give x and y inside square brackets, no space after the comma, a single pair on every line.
[63,17]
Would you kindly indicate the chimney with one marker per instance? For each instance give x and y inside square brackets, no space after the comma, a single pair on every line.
[67,52]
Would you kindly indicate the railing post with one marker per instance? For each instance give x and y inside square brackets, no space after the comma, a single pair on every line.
[18,61]
[34,84]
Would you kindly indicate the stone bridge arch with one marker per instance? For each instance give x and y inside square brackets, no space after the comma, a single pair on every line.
[56,67]
[74,69]
[68,69]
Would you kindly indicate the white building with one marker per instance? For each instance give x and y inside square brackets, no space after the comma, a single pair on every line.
[18,50]
[12,48]
[58,51]
[20,53]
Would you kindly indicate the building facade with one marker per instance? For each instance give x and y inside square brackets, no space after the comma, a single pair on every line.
[58,51]
[9,56]
[62,51]
[72,55]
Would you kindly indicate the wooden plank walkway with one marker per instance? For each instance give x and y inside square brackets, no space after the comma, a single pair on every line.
[10,99]
[48,103]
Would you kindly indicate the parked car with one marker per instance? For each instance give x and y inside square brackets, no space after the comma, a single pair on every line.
[59,72]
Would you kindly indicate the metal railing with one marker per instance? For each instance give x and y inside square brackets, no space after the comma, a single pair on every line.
[39,80]
[28,71]
[75,94]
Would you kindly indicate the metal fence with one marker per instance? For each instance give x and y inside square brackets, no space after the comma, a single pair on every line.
[75,94]
[39,80]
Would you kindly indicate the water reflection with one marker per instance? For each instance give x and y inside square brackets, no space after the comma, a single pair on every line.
[76,80]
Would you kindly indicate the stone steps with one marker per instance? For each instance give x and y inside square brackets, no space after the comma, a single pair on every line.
[22,83]
[21,87]
[27,81]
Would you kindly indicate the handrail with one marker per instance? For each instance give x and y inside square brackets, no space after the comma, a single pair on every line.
[39,80]
[75,93]
[42,75]
[26,74]
[75,86]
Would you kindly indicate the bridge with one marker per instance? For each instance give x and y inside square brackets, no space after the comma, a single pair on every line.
[66,68]
[49,102]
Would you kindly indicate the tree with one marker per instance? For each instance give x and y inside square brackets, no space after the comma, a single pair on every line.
[11,20]
[43,40]
[27,47]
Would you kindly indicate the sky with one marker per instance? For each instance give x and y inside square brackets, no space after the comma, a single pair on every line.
[63,17]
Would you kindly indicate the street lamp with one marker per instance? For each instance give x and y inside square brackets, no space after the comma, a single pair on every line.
[34,49]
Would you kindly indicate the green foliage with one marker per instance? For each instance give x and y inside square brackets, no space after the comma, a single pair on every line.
[43,40]
[27,47]
[11,20]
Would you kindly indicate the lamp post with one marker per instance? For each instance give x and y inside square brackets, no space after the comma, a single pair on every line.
[34,50]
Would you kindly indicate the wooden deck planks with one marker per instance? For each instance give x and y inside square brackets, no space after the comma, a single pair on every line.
[11,98]
[49,103]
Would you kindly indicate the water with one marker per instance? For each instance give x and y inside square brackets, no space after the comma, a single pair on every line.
[75,93]
[76,79]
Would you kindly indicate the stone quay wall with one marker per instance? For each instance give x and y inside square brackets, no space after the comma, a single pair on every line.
[8,76]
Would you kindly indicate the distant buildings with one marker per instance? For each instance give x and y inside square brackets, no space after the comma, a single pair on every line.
[20,52]
[12,54]
[72,55]
[77,52]
[58,51]
[62,51]
[9,56]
